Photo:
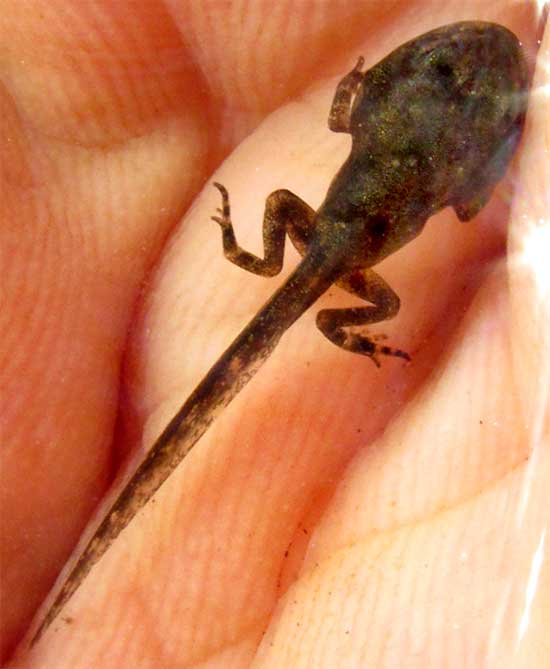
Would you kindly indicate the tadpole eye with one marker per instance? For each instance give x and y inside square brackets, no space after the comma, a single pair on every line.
[379,225]
[444,69]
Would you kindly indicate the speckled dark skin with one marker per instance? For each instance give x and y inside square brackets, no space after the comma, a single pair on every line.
[433,125]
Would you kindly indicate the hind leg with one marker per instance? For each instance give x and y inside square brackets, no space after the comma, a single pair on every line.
[385,304]
[284,213]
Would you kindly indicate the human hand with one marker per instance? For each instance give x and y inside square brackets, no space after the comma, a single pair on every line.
[113,140]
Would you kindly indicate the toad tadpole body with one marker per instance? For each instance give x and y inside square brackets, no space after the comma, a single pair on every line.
[434,124]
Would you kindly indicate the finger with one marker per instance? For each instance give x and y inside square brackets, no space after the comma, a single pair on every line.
[106,146]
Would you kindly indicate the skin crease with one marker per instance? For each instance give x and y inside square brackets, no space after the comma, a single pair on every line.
[201,552]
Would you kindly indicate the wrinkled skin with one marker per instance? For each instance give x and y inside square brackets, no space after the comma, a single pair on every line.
[416,538]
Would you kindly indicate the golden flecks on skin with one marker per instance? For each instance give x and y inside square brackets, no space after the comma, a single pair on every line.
[424,124]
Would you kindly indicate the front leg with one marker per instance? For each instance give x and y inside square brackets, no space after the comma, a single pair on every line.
[340,112]
[284,213]
[371,287]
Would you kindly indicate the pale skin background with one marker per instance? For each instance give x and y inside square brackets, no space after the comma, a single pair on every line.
[336,515]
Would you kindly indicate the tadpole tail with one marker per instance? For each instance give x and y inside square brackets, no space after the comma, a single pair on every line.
[232,371]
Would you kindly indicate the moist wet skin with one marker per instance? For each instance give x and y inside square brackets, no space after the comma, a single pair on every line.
[434,124]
